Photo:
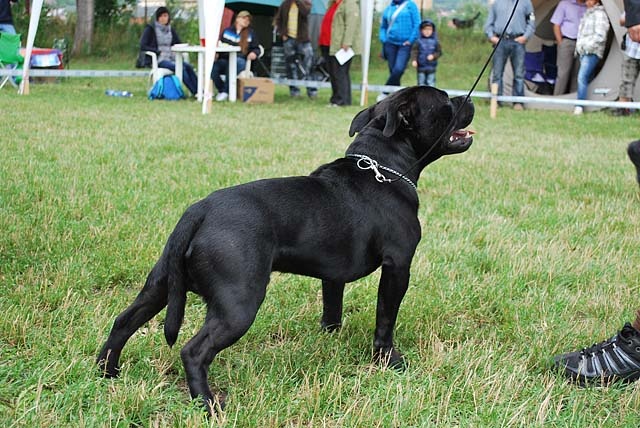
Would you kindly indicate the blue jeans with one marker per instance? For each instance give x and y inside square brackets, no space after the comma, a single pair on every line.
[189,77]
[300,70]
[427,78]
[397,57]
[509,49]
[7,28]
[588,64]
[220,67]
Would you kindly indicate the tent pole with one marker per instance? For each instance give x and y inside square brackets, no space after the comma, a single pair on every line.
[36,7]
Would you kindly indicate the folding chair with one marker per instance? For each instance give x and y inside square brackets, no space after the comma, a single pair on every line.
[10,56]
[62,45]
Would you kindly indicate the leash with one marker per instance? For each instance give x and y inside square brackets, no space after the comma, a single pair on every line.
[364,162]
[457,112]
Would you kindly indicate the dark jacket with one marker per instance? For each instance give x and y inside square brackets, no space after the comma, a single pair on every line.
[632,12]
[5,11]
[425,46]
[230,37]
[149,42]
[282,16]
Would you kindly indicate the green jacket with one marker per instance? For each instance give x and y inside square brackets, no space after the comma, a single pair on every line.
[345,28]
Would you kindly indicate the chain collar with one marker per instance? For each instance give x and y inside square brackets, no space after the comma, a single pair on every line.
[365,162]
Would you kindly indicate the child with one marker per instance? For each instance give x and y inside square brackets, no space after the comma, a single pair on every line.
[425,53]
[592,38]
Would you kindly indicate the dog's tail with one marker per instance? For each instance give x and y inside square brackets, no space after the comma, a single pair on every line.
[174,260]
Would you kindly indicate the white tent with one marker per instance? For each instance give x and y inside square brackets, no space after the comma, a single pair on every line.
[36,7]
[210,11]
[605,84]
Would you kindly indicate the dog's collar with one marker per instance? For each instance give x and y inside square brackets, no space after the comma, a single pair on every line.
[365,162]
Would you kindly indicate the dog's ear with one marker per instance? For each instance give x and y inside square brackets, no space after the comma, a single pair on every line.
[396,117]
[360,121]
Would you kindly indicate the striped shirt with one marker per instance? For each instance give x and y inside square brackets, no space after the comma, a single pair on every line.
[633,48]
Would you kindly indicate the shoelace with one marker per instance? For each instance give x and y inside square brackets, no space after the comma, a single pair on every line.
[625,334]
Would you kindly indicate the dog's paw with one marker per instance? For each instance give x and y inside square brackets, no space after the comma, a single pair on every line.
[108,371]
[108,364]
[214,406]
[330,327]
[391,359]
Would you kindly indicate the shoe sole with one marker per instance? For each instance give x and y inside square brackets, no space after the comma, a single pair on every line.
[598,382]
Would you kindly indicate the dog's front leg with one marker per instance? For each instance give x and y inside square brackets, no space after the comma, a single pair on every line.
[332,293]
[394,282]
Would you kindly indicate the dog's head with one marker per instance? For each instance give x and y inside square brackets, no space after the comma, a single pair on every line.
[425,116]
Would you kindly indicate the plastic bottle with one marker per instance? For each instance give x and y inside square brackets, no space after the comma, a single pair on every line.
[116,93]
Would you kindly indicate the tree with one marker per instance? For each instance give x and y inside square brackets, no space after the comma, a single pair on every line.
[83,37]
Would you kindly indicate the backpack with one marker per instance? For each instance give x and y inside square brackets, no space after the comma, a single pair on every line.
[167,88]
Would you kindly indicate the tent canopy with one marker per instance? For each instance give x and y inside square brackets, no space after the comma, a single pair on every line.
[258,7]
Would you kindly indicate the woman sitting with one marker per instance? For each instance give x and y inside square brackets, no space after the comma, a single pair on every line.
[239,34]
[159,37]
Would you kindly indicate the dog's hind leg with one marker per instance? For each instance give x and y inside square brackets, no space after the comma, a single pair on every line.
[332,294]
[147,304]
[394,282]
[230,313]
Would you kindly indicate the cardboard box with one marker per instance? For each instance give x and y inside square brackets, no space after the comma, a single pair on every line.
[256,90]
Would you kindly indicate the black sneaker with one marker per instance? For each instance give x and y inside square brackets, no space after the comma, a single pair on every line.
[616,359]
[621,112]
[634,154]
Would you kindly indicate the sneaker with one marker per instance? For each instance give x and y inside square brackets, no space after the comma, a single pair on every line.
[222,96]
[381,97]
[577,110]
[312,95]
[518,107]
[634,154]
[615,359]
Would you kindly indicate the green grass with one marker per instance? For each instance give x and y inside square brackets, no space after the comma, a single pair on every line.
[529,248]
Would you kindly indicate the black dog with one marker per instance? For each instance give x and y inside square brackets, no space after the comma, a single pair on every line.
[339,224]
[633,150]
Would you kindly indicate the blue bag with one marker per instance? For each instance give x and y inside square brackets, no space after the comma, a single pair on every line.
[167,88]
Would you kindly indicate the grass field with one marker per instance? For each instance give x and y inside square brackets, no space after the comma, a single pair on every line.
[529,248]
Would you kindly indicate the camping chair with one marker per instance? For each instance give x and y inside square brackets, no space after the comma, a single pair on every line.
[10,56]
[62,45]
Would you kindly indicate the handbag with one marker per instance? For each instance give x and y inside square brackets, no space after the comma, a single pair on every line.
[141,61]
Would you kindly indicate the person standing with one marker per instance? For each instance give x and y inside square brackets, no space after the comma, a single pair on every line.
[425,53]
[592,40]
[340,31]
[566,20]
[632,20]
[630,71]
[292,23]
[399,29]
[159,37]
[6,18]
[618,358]
[521,28]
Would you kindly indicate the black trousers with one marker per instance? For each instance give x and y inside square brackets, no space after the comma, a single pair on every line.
[340,78]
